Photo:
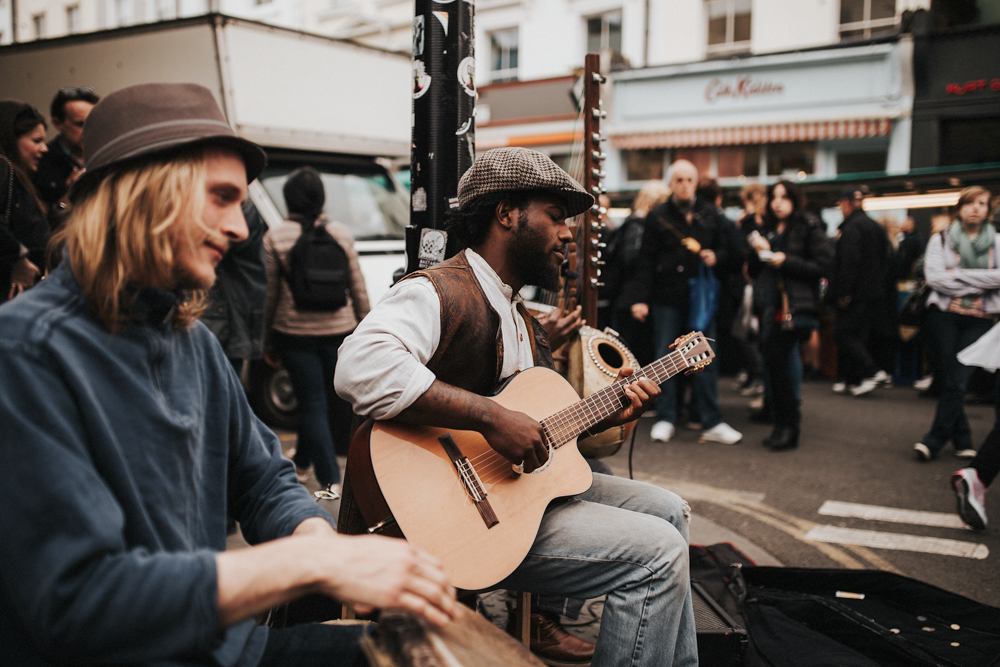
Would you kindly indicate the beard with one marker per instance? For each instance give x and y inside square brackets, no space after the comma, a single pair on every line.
[531,257]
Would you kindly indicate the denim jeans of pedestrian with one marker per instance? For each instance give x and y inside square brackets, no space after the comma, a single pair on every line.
[794,367]
[310,362]
[668,324]
[784,372]
[952,333]
[627,540]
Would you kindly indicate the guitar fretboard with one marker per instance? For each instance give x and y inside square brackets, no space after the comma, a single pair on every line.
[570,422]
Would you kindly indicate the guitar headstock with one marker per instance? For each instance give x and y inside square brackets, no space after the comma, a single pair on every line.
[695,350]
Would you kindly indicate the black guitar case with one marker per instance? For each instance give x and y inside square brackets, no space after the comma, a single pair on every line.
[844,618]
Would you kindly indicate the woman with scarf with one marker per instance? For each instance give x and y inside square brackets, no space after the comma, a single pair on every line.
[306,341]
[963,273]
[792,254]
[24,230]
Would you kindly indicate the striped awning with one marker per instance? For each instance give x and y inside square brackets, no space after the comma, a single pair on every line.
[760,134]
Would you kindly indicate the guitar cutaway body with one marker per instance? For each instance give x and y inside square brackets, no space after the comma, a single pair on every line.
[430,503]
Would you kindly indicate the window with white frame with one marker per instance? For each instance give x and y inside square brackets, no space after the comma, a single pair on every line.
[604,33]
[73,19]
[729,23]
[867,18]
[38,20]
[503,55]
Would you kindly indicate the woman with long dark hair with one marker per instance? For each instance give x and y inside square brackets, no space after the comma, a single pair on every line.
[960,265]
[792,254]
[24,232]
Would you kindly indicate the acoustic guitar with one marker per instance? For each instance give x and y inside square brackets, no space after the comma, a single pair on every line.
[449,493]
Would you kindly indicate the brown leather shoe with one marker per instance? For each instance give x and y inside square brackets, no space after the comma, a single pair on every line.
[556,647]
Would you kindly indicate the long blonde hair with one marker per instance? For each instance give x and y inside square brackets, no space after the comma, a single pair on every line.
[119,237]
[651,194]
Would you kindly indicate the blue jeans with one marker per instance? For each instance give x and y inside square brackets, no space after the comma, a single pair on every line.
[668,324]
[311,362]
[627,540]
[950,333]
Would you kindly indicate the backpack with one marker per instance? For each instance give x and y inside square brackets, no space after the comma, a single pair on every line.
[319,274]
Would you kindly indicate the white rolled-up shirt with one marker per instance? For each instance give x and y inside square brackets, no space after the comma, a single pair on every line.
[381,367]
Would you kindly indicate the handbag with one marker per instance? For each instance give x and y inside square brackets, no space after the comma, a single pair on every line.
[704,298]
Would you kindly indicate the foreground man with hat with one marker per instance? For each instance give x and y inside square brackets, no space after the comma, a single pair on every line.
[446,336]
[127,438]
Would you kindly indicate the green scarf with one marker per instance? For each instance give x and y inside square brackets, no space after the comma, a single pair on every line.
[972,253]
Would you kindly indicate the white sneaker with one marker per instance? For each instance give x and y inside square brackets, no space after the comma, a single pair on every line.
[721,432]
[967,453]
[661,432]
[924,383]
[971,496]
[882,377]
[866,386]
[839,387]
[924,452]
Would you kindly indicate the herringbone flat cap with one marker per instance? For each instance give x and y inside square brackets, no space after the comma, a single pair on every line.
[518,170]
[150,121]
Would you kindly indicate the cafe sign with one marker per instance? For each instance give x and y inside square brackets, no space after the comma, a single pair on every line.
[973,86]
[742,88]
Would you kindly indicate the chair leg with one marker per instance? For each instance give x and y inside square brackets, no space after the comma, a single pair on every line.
[347,612]
[522,617]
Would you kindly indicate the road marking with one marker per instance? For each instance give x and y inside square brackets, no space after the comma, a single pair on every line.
[892,514]
[898,542]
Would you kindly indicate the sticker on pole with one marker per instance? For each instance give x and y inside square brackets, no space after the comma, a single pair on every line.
[467,75]
[418,202]
[432,246]
[421,79]
[418,36]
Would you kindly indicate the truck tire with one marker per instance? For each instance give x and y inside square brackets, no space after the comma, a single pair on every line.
[269,391]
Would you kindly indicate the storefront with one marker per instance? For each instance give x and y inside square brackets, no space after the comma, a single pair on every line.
[809,115]
[956,106]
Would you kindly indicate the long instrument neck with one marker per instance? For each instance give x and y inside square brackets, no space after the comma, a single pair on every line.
[570,422]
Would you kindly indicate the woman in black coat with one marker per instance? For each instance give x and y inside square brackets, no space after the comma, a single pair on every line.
[792,254]
[24,232]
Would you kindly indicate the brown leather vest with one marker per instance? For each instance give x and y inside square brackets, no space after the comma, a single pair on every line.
[470,352]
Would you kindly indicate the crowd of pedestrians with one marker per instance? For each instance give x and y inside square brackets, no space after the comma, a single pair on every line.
[784,276]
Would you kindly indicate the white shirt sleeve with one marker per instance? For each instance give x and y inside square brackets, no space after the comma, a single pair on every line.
[381,367]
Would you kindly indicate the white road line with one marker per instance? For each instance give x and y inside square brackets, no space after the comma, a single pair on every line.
[877,540]
[892,514]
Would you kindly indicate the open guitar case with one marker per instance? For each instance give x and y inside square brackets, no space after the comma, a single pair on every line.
[751,616]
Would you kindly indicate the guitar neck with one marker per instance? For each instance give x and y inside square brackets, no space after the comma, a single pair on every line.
[567,424]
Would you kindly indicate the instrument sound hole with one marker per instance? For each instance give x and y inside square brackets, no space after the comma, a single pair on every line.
[610,355]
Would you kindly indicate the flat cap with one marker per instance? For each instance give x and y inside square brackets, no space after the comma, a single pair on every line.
[520,170]
[151,120]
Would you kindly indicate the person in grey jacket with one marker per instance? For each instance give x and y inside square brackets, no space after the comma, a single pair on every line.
[963,273]
[127,437]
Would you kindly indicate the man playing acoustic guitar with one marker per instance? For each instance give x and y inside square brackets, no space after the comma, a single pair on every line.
[445,338]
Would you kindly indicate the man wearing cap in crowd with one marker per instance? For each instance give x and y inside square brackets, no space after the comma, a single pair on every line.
[857,287]
[127,437]
[63,164]
[443,338]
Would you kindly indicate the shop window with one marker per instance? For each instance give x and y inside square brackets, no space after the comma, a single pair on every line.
[867,18]
[645,164]
[503,55]
[38,21]
[971,141]
[791,158]
[735,161]
[73,19]
[728,25]
[856,163]
[699,157]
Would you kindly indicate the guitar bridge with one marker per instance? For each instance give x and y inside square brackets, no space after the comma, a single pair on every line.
[470,480]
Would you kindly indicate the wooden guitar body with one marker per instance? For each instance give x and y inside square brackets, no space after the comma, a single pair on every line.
[433,510]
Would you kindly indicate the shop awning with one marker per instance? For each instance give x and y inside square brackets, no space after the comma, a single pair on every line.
[760,134]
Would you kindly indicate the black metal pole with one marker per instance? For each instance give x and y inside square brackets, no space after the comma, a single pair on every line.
[443,144]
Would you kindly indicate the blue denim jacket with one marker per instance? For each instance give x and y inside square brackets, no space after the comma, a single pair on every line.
[119,457]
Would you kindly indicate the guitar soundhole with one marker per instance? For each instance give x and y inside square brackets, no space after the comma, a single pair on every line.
[610,355]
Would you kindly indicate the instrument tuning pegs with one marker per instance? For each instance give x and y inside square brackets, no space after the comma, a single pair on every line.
[594,283]
[597,155]
[594,243]
[596,226]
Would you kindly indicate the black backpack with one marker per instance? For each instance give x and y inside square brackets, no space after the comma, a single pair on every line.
[319,274]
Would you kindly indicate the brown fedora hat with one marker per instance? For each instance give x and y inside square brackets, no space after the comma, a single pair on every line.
[150,121]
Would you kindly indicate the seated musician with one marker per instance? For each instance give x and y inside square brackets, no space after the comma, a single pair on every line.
[445,337]
[127,439]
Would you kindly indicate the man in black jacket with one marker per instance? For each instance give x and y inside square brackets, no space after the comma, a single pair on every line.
[680,234]
[63,164]
[856,286]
